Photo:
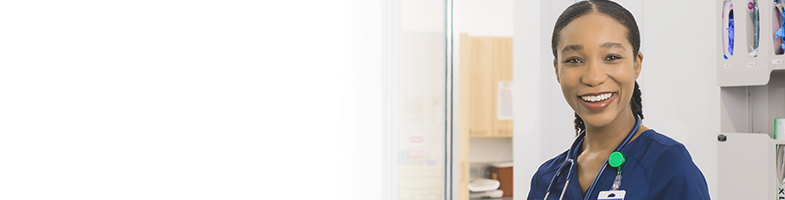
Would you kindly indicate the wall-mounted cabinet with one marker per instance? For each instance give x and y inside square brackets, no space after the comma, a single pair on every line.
[485,82]
[752,95]
[485,101]
[749,45]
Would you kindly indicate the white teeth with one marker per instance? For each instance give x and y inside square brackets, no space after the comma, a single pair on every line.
[601,97]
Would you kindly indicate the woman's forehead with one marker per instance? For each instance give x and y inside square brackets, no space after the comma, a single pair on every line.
[594,31]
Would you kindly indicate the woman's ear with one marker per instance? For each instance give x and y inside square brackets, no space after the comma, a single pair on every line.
[556,69]
[638,64]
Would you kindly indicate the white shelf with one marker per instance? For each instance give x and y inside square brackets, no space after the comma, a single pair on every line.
[752,109]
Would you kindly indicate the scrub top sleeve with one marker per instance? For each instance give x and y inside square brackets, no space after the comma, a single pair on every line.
[675,176]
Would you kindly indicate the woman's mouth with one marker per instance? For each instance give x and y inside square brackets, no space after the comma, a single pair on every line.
[597,102]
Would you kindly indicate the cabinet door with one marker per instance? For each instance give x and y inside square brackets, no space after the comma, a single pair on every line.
[485,61]
[480,86]
[501,63]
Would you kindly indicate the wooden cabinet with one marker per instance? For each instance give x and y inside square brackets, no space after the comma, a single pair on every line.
[484,62]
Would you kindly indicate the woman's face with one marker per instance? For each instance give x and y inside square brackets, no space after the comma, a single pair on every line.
[596,68]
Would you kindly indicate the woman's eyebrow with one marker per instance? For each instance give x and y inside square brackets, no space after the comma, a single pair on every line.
[572,47]
[609,45]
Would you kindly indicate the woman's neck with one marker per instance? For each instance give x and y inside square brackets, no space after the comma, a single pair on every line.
[607,138]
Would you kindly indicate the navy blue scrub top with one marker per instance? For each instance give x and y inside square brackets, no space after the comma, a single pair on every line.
[657,167]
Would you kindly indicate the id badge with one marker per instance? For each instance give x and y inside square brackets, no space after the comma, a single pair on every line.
[612,195]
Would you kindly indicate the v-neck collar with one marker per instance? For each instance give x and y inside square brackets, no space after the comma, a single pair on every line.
[575,189]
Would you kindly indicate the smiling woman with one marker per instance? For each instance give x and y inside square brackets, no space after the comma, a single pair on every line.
[596,46]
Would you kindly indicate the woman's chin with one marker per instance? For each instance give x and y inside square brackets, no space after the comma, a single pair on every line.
[598,119]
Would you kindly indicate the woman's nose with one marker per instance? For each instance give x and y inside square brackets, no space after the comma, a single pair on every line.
[595,75]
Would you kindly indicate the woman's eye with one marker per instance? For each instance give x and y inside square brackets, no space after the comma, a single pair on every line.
[612,58]
[572,60]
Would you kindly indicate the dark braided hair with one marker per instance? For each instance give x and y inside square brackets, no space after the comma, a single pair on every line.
[616,12]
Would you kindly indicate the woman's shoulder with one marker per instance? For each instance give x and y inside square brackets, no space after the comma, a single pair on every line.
[543,176]
[552,164]
[659,140]
[549,166]
[656,147]
[664,157]
[669,167]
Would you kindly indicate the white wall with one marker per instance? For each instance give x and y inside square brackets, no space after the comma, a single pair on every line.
[493,18]
[179,99]
[527,68]
[680,95]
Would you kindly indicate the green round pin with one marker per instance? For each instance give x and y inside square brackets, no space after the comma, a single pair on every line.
[616,159]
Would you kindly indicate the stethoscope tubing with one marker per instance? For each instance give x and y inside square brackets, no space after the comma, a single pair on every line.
[571,161]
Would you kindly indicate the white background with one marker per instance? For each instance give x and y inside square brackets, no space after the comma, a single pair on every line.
[190,100]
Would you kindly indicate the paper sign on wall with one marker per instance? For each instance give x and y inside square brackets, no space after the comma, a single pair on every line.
[504,100]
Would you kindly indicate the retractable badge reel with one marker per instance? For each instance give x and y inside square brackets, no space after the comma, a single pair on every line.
[616,160]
